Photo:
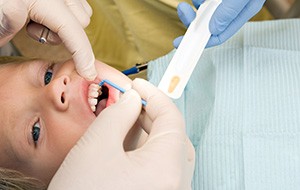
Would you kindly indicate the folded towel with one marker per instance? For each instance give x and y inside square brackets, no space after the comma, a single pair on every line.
[242,109]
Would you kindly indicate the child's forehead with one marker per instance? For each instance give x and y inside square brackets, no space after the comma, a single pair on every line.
[18,62]
[7,63]
[11,73]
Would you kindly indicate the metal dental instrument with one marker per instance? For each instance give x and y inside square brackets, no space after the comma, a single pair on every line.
[44,35]
[189,51]
[122,90]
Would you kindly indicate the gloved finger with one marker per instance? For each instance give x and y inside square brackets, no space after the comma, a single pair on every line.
[186,13]
[113,123]
[177,41]
[145,121]
[197,3]
[70,32]
[249,11]
[79,11]
[160,109]
[35,30]
[97,149]
[88,9]
[13,16]
[225,13]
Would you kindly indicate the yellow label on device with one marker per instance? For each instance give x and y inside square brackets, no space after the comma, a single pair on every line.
[174,82]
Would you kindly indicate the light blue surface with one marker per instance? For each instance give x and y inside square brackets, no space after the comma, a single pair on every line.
[242,109]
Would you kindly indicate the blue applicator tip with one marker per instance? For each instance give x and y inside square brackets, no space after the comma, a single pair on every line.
[144,103]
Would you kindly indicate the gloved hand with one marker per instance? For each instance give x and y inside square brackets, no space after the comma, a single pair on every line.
[228,18]
[76,15]
[164,161]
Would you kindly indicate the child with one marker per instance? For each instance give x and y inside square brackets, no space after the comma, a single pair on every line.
[45,108]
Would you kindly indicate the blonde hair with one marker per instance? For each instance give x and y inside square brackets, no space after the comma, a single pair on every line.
[16,59]
[14,180]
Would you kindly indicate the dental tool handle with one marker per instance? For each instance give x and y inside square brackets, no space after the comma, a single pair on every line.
[189,51]
[122,90]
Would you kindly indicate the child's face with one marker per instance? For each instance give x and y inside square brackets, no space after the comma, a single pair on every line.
[41,118]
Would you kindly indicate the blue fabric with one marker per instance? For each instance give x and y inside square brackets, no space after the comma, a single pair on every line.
[242,109]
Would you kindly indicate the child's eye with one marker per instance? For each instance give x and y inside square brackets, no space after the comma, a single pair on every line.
[36,132]
[48,75]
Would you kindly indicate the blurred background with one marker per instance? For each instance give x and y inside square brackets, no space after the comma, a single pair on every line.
[126,32]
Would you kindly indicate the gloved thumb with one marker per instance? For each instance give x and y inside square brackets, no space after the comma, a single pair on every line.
[112,124]
[13,16]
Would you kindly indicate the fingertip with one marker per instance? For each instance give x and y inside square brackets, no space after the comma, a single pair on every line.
[13,16]
[177,41]
[150,93]
[88,9]
[182,6]
[85,64]
[91,76]
[85,21]
[186,13]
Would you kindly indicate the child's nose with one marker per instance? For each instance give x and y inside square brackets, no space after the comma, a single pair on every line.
[59,92]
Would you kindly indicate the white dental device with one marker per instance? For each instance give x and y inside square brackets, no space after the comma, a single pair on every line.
[189,51]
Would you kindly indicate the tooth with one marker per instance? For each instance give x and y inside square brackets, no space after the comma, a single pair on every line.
[93,108]
[94,86]
[92,101]
[93,93]
[99,91]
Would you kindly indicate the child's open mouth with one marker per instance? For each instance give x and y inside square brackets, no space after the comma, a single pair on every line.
[101,97]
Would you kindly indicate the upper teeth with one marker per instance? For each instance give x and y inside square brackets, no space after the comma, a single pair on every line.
[93,94]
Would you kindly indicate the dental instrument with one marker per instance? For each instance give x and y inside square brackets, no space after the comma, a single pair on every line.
[135,69]
[122,90]
[189,51]
[44,35]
